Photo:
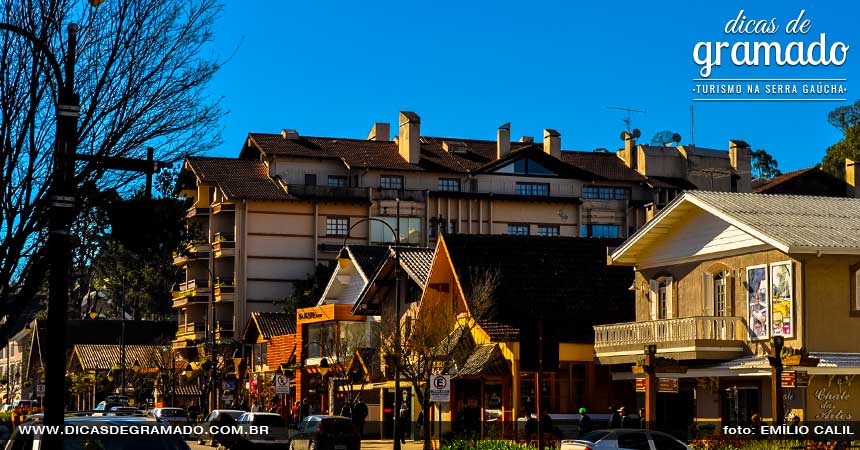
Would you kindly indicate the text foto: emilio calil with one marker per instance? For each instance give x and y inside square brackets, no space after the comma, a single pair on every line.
[790,430]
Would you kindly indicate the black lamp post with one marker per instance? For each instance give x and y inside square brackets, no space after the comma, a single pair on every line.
[397,343]
[775,360]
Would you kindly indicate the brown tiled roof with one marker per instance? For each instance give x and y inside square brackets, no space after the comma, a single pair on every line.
[368,257]
[607,166]
[104,357]
[486,359]
[558,279]
[416,261]
[782,179]
[810,181]
[238,178]
[671,182]
[187,390]
[500,332]
[274,323]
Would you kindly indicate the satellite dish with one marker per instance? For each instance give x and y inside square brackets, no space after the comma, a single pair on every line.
[676,138]
[636,133]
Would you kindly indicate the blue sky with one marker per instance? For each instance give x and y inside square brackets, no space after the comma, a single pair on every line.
[334,68]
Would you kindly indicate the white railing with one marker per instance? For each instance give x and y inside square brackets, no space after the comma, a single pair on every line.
[670,330]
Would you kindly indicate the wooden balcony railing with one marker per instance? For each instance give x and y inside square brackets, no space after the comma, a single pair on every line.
[193,284]
[670,330]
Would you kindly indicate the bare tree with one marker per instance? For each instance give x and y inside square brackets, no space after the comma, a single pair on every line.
[142,68]
[434,335]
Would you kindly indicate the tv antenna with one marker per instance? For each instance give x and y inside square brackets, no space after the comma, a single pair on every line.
[628,121]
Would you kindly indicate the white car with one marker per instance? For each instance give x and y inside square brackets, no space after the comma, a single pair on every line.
[170,416]
[276,437]
[624,438]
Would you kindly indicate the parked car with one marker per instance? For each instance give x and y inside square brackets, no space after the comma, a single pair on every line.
[124,411]
[214,417]
[624,438]
[325,433]
[7,407]
[26,404]
[131,441]
[170,416]
[111,401]
[277,437]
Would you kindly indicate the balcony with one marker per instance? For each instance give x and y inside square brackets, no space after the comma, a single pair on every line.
[224,208]
[191,331]
[191,291]
[688,338]
[191,253]
[405,195]
[223,329]
[224,290]
[313,192]
[197,211]
[225,245]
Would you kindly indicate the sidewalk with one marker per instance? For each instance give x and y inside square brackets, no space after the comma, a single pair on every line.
[386,444]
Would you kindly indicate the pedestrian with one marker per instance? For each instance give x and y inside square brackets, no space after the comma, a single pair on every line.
[256,407]
[614,418]
[403,423]
[642,423]
[626,420]
[545,423]
[585,425]
[304,409]
[193,411]
[359,415]
[245,406]
[419,424]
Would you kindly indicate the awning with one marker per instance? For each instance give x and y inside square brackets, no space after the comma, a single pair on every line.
[830,363]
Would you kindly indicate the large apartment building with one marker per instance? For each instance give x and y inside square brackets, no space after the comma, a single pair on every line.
[267,218]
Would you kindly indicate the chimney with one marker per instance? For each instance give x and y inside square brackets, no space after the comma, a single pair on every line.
[852,177]
[740,158]
[503,141]
[527,140]
[408,141]
[289,134]
[380,132]
[628,154]
[552,143]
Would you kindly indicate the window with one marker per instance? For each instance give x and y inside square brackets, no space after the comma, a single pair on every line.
[600,230]
[855,288]
[310,179]
[541,189]
[336,226]
[721,304]
[547,230]
[319,333]
[391,182]
[605,193]
[518,229]
[661,297]
[411,231]
[449,184]
[337,181]
[526,166]
[633,441]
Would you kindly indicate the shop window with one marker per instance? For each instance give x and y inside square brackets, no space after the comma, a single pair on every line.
[518,229]
[547,230]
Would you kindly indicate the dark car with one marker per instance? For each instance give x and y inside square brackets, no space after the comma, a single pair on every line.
[215,418]
[325,433]
[275,436]
[129,441]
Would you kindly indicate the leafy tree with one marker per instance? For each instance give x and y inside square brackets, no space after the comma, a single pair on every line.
[764,165]
[847,119]
[141,73]
[308,292]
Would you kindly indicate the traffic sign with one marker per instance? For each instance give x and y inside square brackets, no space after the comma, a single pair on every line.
[789,379]
[40,390]
[282,384]
[440,388]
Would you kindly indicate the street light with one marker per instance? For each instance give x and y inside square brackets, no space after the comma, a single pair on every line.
[775,360]
[396,234]
[135,367]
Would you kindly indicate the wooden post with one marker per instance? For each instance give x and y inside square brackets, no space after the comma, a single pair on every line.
[650,386]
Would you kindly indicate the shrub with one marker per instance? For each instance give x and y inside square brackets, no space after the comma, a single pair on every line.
[461,444]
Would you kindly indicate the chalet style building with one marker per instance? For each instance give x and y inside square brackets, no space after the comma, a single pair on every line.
[267,219]
[718,277]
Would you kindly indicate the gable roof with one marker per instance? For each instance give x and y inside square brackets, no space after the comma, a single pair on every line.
[790,223]
[415,261]
[809,181]
[551,278]
[238,178]
[536,153]
[104,357]
[607,166]
[367,258]
[269,324]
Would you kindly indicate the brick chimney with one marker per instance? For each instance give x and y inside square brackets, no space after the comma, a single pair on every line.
[380,132]
[408,142]
[552,143]
[628,154]
[288,134]
[740,158]
[852,178]
[503,141]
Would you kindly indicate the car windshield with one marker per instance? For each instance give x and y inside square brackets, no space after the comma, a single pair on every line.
[337,426]
[594,436]
[172,413]
[271,421]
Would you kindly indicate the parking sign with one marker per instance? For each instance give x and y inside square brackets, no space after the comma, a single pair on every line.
[440,388]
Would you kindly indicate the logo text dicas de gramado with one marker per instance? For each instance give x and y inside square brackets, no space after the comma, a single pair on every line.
[801,52]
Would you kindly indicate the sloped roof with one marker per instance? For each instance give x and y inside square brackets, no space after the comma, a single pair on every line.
[551,278]
[274,323]
[485,359]
[809,181]
[104,357]
[368,257]
[790,223]
[500,332]
[416,261]
[607,166]
[238,178]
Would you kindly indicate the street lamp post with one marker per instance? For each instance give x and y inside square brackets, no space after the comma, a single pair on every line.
[775,360]
[397,351]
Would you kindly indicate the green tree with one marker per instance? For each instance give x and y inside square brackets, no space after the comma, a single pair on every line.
[847,119]
[308,292]
[764,165]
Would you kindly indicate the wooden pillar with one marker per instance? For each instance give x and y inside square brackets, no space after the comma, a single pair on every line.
[650,386]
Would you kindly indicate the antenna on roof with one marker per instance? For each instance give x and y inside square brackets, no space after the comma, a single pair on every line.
[628,121]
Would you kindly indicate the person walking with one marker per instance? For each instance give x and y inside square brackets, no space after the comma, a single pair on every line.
[585,425]
[614,418]
[359,415]
[346,410]
[419,423]
[403,423]
[642,423]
